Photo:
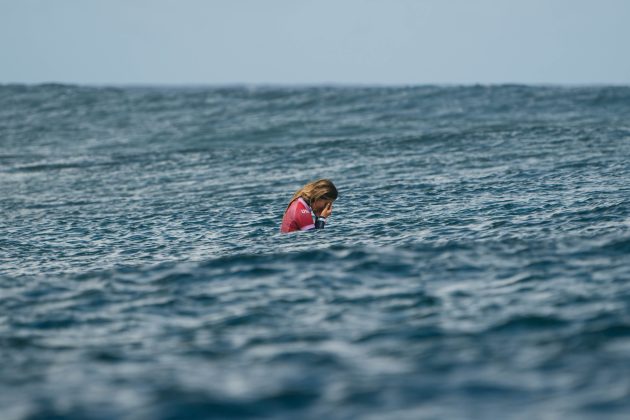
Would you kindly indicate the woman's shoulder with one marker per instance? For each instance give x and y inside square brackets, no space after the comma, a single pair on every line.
[302,205]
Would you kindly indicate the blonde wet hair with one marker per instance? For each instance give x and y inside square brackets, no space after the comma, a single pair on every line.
[321,189]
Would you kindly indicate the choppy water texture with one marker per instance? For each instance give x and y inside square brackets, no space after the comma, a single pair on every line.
[476,264]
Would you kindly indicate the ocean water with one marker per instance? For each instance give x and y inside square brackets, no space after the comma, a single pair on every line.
[476,264]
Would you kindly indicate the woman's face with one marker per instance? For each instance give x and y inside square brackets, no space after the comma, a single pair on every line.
[320,204]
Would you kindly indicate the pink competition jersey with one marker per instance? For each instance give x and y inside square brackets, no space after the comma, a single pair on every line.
[297,217]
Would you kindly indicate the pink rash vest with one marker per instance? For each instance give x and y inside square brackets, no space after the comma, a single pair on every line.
[300,216]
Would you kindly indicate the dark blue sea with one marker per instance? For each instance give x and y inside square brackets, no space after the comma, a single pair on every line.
[476,265]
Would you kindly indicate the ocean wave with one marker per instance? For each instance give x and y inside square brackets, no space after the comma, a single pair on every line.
[475,260]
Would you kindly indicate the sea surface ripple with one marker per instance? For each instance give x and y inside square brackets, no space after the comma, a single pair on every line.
[476,264]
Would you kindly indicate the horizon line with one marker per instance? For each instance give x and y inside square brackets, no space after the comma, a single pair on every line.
[279,85]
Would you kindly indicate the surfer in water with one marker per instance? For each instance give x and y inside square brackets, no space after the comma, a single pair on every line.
[309,207]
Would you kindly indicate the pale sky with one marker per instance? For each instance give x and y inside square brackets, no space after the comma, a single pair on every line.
[315,42]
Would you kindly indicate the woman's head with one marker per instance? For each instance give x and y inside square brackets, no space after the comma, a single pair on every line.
[317,193]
